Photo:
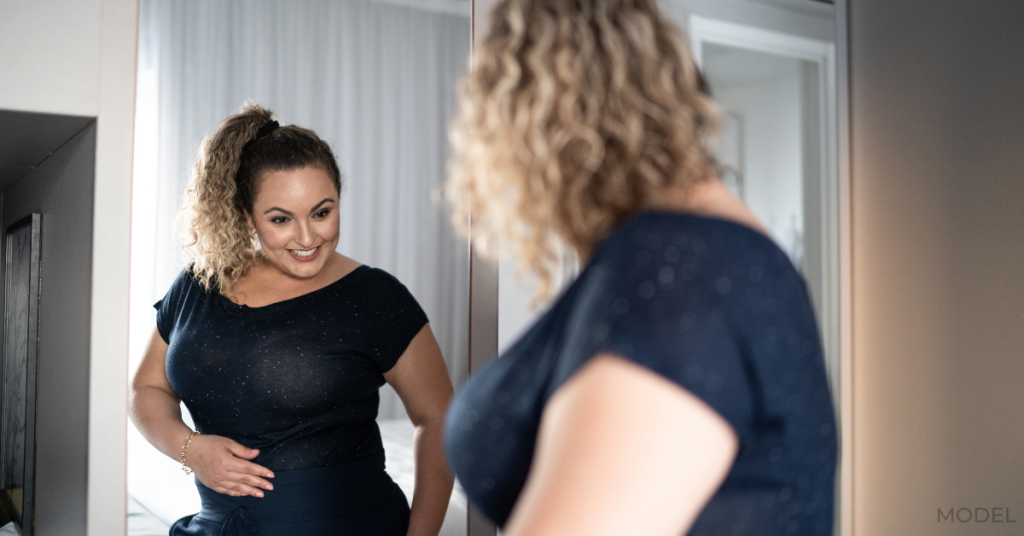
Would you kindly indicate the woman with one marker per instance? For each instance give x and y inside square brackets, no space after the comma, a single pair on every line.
[278,345]
[678,385]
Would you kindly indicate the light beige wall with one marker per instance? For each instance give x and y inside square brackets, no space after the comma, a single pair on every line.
[50,56]
[77,57]
[937,156]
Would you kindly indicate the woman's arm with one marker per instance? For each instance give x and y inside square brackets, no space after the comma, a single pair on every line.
[622,450]
[421,380]
[219,463]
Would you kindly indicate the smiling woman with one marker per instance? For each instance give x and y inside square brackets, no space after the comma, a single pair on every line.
[246,151]
[296,224]
[277,344]
[304,230]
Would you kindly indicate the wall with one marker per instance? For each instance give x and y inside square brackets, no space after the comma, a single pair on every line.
[937,123]
[78,57]
[50,56]
[61,190]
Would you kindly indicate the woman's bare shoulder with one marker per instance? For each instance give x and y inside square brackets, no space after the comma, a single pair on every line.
[342,265]
[264,285]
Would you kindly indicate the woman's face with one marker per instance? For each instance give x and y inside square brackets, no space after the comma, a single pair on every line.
[295,216]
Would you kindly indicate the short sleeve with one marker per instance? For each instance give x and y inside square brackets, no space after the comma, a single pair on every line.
[398,316]
[669,309]
[169,307]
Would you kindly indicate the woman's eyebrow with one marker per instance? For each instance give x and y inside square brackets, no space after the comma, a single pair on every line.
[320,204]
[289,213]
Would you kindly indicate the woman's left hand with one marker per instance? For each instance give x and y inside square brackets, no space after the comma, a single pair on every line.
[223,465]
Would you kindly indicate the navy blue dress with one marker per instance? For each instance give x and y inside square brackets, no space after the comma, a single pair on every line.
[299,380]
[713,306]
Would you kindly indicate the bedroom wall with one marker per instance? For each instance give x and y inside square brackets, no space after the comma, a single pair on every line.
[77,57]
[61,190]
[937,120]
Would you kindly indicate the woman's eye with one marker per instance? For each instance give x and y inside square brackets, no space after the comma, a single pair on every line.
[322,214]
[278,220]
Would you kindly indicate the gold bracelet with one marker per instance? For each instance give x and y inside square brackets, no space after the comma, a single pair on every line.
[185,467]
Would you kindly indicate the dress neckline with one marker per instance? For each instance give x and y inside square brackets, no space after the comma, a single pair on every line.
[335,283]
[692,216]
[700,217]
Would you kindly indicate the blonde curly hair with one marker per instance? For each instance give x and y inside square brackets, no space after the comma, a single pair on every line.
[225,179]
[574,115]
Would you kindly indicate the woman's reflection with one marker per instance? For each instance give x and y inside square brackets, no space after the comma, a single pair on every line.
[277,345]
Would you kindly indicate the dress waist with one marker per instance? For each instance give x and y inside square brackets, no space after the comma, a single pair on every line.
[305,495]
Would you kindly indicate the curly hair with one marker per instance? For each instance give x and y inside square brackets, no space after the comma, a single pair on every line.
[574,115]
[225,180]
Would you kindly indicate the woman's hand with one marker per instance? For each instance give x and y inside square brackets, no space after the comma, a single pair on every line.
[223,465]
[220,463]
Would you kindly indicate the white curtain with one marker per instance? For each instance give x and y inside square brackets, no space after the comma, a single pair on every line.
[376,80]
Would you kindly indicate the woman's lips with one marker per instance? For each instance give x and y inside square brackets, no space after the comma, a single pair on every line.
[307,258]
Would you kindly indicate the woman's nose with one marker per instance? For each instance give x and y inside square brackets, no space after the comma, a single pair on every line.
[304,237]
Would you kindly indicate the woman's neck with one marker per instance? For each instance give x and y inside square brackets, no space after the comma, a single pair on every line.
[266,283]
[708,198]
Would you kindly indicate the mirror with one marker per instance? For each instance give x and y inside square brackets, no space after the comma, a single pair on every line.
[375,79]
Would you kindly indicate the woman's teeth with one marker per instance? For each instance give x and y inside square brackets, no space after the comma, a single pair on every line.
[303,253]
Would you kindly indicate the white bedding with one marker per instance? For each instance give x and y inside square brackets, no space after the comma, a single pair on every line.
[159,492]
